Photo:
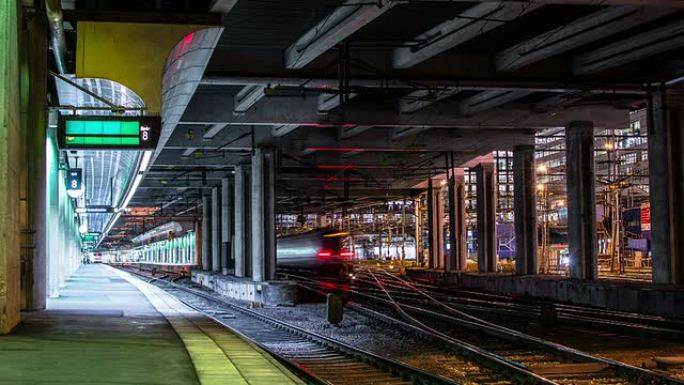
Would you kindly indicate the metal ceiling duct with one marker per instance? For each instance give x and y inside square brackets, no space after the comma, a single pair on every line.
[53,9]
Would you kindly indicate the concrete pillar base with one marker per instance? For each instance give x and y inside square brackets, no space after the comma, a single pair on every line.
[268,293]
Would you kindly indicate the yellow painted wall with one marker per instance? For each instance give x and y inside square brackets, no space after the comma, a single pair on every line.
[133,54]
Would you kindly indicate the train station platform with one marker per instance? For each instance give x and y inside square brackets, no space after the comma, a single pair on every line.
[108,327]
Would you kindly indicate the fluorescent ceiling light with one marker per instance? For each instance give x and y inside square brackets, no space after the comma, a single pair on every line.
[147,156]
[109,227]
[131,192]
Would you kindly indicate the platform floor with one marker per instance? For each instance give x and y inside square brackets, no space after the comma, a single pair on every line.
[110,328]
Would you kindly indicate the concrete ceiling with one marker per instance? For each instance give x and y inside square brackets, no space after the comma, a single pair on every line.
[371,95]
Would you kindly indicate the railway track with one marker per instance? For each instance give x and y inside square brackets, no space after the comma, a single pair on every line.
[491,304]
[318,359]
[555,362]
[566,312]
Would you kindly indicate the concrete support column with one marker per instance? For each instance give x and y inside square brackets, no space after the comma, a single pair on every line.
[226,225]
[525,210]
[322,220]
[435,225]
[666,122]
[263,215]
[10,165]
[240,221]
[216,229]
[579,136]
[206,232]
[33,178]
[486,218]
[198,243]
[456,260]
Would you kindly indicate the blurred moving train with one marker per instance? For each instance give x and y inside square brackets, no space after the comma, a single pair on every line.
[318,251]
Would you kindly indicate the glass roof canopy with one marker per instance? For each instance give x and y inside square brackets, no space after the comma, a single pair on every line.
[107,174]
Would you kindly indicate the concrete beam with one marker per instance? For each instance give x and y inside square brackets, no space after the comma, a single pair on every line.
[472,23]
[598,25]
[631,49]
[206,109]
[248,97]
[332,30]
[213,130]
[404,132]
[328,102]
[283,130]
[325,84]
[219,160]
[352,131]
[229,138]
[222,6]
[417,100]
[489,99]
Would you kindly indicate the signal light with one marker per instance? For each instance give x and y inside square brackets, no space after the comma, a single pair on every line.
[324,253]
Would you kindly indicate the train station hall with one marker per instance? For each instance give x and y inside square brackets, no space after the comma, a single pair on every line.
[342,192]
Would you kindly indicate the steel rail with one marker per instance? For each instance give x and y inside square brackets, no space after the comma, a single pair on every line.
[476,324]
[621,368]
[399,369]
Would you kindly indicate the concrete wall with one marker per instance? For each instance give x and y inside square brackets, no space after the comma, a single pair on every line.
[63,239]
[10,156]
[660,300]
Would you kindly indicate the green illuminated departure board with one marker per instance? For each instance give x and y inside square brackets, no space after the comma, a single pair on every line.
[109,132]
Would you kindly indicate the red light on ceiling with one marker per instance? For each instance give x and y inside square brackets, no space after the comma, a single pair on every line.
[187,40]
[334,149]
[339,179]
[335,166]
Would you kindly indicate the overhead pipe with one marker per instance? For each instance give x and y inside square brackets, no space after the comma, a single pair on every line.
[53,10]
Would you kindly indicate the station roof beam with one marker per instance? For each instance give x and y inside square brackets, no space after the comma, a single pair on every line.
[247,97]
[283,129]
[222,6]
[328,102]
[333,29]
[417,100]
[582,31]
[631,49]
[348,132]
[489,99]
[471,23]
